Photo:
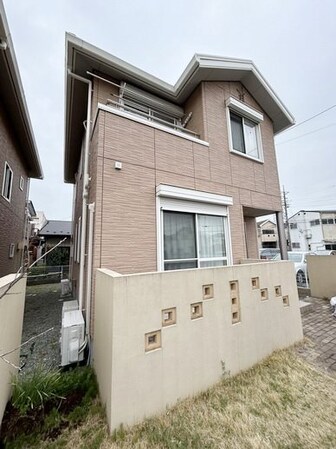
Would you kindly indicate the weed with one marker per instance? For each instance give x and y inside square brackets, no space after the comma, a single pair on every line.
[32,391]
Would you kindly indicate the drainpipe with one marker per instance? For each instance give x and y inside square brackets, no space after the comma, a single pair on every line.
[86,181]
[89,269]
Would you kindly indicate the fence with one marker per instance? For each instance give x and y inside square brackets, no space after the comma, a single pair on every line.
[163,336]
[11,319]
[47,274]
[322,276]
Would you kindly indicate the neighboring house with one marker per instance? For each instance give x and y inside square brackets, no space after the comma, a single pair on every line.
[50,235]
[19,159]
[267,234]
[313,230]
[39,221]
[168,177]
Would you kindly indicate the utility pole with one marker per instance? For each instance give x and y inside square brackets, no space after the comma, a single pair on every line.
[285,205]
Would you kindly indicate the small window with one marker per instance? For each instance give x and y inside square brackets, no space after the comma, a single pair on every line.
[244,134]
[244,129]
[21,182]
[7,182]
[11,250]
[295,245]
[315,222]
[293,225]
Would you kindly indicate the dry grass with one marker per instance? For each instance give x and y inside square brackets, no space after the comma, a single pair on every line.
[281,403]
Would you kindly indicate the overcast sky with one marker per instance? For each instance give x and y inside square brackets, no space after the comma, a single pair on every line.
[292,42]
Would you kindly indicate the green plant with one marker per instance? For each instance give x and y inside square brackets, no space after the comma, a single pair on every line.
[32,391]
[81,378]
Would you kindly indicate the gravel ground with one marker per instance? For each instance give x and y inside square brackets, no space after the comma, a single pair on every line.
[43,310]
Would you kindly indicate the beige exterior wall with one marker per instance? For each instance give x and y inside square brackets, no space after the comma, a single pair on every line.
[251,238]
[11,319]
[135,384]
[322,280]
[151,157]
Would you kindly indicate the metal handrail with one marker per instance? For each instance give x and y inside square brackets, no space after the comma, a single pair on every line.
[152,118]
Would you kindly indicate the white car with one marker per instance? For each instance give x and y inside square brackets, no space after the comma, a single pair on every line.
[300,263]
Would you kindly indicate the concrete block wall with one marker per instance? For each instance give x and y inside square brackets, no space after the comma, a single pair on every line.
[11,319]
[322,280]
[227,316]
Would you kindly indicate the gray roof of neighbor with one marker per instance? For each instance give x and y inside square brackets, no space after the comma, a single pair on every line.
[56,227]
[13,100]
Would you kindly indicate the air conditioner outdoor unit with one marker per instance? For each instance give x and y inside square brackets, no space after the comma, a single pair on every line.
[72,337]
[69,305]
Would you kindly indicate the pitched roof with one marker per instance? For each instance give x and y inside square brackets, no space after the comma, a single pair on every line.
[263,222]
[56,227]
[82,57]
[13,99]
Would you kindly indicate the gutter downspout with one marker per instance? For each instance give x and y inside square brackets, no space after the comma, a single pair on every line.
[86,181]
[89,269]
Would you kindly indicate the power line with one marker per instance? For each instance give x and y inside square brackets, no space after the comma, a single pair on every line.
[311,118]
[306,134]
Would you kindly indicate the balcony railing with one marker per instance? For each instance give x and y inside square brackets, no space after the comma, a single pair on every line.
[150,116]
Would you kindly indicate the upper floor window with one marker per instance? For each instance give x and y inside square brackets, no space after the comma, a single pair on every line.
[7,182]
[244,129]
[328,221]
[293,225]
[268,231]
[315,222]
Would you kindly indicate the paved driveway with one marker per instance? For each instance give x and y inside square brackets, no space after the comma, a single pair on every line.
[319,326]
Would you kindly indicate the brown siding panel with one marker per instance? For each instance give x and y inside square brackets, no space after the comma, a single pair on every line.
[12,214]
[125,218]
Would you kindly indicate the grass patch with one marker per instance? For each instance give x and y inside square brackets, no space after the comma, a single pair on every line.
[282,403]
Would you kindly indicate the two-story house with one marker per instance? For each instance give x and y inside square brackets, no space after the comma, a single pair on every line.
[167,177]
[19,159]
[267,234]
[313,230]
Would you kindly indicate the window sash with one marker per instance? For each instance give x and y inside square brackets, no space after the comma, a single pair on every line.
[245,137]
[204,243]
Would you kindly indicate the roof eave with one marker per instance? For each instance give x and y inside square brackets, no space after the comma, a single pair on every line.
[20,115]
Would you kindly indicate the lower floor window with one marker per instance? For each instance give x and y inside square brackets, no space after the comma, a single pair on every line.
[193,240]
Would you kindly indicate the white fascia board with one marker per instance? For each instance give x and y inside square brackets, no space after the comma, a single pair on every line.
[244,109]
[272,94]
[167,191]
[143,121]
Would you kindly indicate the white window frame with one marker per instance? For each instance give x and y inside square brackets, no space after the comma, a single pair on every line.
[244,111]
[4,181]
[21,185]
[176,199]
